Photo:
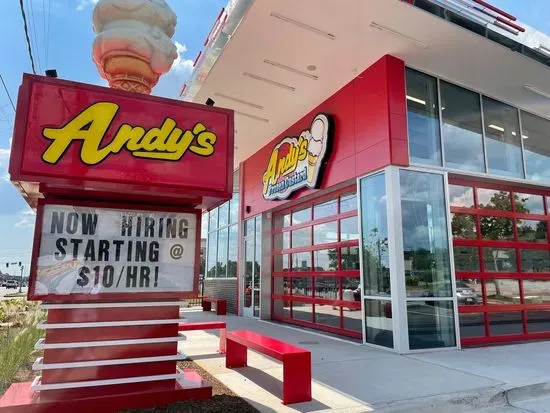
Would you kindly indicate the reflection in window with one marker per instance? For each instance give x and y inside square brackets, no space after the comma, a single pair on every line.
[348,202]
[325,233]
[281,285]
[350,289]
[502,139]
[469,291]
[505,323]
[494,199]
[431,324]
[462,130]
[423,118]
[425,237]
[301,286]
[301,261]
[378,322]
[234,209]
[327,315]
[301,216]
[375,235]
[535,260]
[325,260]
[496,228]
[466,259]
[281,241]
[282,221]
[222,253]
[529,203]
[500,259]
[302,311]
[500,292]
[223,217]
[472,325]
[350,258]
[461,196]
[538,321]
[281,308]
[212,253]
[213,220]
[464,226]
[532,231]
[326,209]
[233,248]
[536,291]
[536,132]
[349,229]
[281,263]
[326,288]
[301,237]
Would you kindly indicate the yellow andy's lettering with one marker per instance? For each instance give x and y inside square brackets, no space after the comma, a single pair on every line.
[89,126]
[270,174]
[166,142]
[302,151]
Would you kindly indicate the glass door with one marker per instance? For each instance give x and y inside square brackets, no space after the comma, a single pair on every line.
[252,265]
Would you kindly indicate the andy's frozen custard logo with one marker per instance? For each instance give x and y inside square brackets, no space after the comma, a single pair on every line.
[166,142]
[297,162]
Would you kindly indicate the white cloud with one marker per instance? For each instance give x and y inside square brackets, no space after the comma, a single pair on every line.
[26,219]
[181,64]
[82,4]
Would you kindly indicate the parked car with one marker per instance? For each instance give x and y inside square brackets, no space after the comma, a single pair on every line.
[12,284]
[466,294]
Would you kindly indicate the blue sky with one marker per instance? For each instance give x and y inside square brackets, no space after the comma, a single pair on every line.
[68,43]
[69,46]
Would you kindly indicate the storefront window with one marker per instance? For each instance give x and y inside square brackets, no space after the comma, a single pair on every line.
[425,237]
[349,229]
[301,237]
[325,233]
[222,240]
[431,324]
[378,322]
[300,216]
[494,199]
[376,272]
[466,259]
[536,134]
[535,260]
[423,118]
[462,130]
[461,196]
[325,260]
[503,139]
[464,226]
[529,203]
[348,202]
[325,209]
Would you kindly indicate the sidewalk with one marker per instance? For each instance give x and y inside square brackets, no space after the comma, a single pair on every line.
[349,377]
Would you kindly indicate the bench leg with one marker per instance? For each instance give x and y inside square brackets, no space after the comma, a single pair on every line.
[235,354]
[297,378]
[222,341]
[221,307]
[206,305]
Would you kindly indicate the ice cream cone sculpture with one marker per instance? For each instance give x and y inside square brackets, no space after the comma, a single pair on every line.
[133,45]
[316,147]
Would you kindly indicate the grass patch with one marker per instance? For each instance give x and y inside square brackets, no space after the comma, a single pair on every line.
[17,337]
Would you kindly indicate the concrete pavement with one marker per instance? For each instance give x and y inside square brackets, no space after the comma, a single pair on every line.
[349,377]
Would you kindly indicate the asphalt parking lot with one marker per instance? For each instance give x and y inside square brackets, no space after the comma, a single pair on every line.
[4,291]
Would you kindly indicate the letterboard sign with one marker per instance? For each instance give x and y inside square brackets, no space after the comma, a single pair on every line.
[91,251]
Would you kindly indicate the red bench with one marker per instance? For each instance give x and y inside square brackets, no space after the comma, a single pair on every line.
[207,325]
[221,305]
[296,361]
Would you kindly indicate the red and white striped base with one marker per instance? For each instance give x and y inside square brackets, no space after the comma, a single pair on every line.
[108,352]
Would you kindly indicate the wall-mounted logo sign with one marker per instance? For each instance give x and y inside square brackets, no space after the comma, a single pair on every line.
[166,142]
[298,162]
[89,251]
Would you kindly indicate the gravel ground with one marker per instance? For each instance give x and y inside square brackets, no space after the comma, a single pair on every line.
[223,400]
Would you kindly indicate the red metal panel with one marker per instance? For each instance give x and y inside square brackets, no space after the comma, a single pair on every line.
[80,315]
[73,335]
[52,103]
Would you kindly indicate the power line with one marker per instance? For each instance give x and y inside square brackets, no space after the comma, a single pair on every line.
[35,36]
[48,31]
[27,35]
[7,92]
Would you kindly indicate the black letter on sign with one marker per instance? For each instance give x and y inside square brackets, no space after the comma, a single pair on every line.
[61,243]
[57,222]
[131,276]
[89,252]
[83,273]
[126,227]
[171,227]
[103,250]
[183,228]
[89,224]
[72,222]
[144,276]
[108,275]
[76,243]
[153,251]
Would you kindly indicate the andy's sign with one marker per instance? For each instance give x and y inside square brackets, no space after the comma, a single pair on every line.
[75,137]
[298,162]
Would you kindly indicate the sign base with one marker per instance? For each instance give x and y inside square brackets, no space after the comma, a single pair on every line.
[20,398]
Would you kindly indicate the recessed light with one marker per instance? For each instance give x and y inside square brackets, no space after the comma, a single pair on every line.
[291,69]
[417,100]
[311,68]
[248,115]
[304,26]
[244,102]
[525,136]
[399,34]
[537,91]
[271,82]
[498,128]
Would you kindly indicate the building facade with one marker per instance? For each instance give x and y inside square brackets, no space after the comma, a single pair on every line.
[404,198]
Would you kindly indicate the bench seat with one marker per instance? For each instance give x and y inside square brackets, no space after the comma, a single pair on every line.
[207,325]
[221,305]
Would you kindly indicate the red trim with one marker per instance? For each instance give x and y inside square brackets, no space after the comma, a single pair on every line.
[213,26]
[342,332]
[495,9]
[107,296]
[197,58]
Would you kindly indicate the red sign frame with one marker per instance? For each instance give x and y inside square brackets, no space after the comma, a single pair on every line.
[110,297]
[157,150]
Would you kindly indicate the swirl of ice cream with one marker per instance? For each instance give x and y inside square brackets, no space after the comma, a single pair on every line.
[133,45]
[319,134]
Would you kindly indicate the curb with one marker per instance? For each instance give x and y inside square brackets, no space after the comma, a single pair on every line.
[527,393]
